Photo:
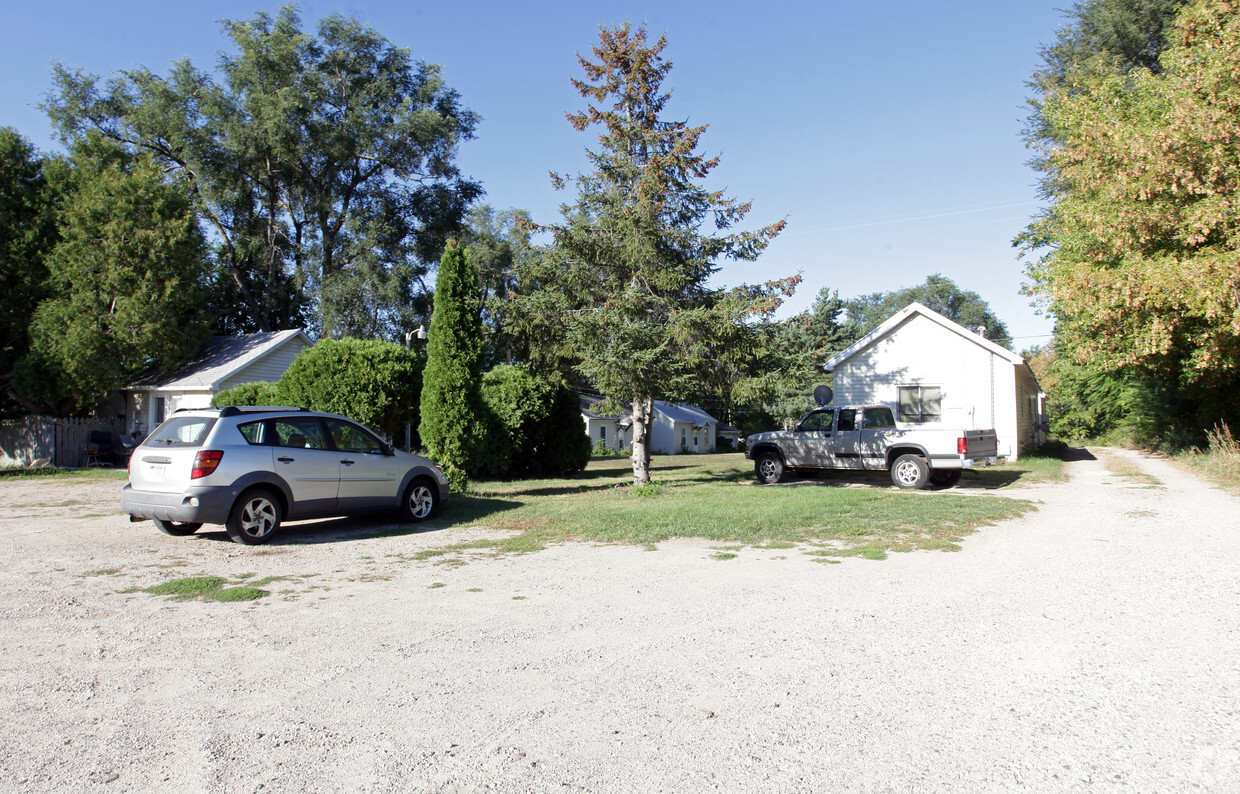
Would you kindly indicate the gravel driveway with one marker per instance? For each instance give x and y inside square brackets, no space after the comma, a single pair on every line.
[1092,645]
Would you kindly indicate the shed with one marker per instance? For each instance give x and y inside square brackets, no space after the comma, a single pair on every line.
[936,372]
[225,362]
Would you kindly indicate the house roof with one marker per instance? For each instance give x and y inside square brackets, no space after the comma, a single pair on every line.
[221,358]
[677,412]
[683,412]
[904,315]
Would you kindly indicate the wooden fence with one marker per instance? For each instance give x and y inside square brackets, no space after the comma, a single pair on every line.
[63,441]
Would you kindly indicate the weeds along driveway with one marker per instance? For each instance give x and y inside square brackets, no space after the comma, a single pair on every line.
[1091,644]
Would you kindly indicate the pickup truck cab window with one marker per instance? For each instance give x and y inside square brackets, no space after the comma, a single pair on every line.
[877,417]
[818,420]
[848,420]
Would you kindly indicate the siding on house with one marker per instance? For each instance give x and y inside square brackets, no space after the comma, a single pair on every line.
[268,369]
[982,385]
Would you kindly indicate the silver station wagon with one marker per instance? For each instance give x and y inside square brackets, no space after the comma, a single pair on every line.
[250,468]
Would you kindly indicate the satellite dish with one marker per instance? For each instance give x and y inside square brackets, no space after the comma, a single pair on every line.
[823,395]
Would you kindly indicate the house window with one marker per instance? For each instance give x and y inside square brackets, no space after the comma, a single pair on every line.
[920,404]
[602,433]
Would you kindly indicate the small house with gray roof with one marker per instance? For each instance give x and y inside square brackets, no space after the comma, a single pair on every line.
[677,427]
[225,362]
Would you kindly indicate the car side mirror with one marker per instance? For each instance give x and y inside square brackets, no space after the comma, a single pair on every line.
[389,450]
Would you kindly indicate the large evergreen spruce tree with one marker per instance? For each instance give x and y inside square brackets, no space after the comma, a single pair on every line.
[628,273]
[453,424]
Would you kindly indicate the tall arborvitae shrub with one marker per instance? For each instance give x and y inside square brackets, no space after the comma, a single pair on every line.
[453,425]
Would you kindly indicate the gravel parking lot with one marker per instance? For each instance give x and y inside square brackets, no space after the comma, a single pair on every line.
[1092,645]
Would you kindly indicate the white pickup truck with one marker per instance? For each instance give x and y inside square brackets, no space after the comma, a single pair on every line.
[867,437]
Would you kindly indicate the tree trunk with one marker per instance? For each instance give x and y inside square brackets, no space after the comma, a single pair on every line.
[642,413]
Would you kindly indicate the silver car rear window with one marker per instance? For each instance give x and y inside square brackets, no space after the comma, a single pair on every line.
[181,431]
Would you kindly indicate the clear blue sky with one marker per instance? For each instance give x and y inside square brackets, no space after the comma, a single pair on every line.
[886,133]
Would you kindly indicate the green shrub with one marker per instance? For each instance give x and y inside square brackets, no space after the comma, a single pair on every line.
[533,426]
[257,393]
[376,383]
[453,415]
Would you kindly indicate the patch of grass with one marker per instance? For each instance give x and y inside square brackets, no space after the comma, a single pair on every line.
[56,472]
[1220,461]
[434,585]
[1123,467]
[713,497]
[210,588]
[475,590]
[102,572]
[724,555]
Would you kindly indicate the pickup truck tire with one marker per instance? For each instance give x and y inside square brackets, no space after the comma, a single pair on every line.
[769,467]
[910,471]
[945,479]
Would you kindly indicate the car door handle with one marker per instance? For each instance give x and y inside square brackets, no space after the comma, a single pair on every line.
[285,459]
[347,462]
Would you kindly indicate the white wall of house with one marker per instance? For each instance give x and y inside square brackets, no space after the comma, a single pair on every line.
[981,386]
[674,429]
[604,428]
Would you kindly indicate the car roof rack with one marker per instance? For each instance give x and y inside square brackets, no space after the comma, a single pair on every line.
[238,410]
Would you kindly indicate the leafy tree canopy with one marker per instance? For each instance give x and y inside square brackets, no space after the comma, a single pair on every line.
[321,165]
[938,293]
[126,283]
[30,188]
[1142,242]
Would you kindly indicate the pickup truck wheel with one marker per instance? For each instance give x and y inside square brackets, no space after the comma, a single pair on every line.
[945,479]
[769,467]
[910,471]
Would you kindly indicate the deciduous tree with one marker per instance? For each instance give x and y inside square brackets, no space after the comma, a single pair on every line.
[938,293]
[322,167]
[28,232]
[1142,268]
[126,282]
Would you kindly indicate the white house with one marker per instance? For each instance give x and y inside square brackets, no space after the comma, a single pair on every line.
[225,362]
[677,427]
[933,371]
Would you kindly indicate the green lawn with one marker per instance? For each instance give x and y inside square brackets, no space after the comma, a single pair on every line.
[715,497]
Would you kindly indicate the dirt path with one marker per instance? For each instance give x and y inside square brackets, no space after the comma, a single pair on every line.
[1091,645]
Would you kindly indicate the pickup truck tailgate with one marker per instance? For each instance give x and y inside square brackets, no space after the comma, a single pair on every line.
[981,444]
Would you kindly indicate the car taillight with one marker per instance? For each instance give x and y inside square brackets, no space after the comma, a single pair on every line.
[962,445]
[205,462]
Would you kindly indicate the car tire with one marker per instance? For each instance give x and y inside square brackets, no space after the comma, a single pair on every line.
[421,501]
[254,518]
[177,528]
[910,471]
[769,468]
[945,478]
